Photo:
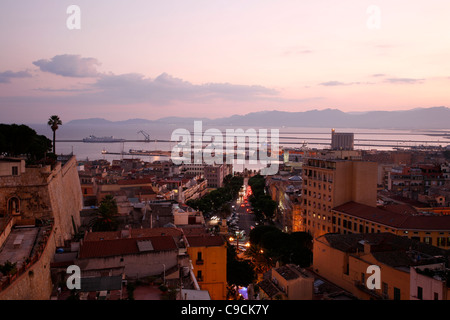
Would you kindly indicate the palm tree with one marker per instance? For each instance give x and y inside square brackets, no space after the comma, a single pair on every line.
[54,122]
[106,216]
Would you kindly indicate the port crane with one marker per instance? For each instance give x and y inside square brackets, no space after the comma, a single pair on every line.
[146,135]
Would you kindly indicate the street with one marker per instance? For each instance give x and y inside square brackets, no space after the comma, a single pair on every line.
[246,219]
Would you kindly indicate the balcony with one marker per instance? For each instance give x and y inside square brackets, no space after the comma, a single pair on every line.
[358,284]
[199,262]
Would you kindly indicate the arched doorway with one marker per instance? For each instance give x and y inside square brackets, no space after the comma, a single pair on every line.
[13,206]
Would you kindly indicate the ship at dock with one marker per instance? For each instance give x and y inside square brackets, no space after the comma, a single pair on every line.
[94,139]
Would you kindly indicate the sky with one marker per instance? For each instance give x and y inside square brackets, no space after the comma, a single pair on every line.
[148,59]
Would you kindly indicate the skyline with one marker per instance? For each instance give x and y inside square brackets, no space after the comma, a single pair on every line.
[215,59]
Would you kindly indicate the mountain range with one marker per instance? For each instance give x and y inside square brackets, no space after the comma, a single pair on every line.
[419,118]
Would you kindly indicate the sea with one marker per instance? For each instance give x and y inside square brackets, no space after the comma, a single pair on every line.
[292,137]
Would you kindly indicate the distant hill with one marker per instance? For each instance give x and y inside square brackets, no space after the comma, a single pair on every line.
[420,118]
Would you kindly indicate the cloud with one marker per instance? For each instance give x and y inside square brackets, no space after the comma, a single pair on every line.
[69,65]
[332,83]
[164,89]
[339,83]
[404,80]
[294,51]
[6,76]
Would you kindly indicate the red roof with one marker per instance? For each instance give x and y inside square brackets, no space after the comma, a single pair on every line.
[398,219]
[105,235]
[135,181]
[205,241]
[118,247]
[150,232]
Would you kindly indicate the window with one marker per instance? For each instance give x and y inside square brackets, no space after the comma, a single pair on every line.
[15,171]
[199,260]
[436,296]
[396,294]
[199,275]
[384,288]
[419,293]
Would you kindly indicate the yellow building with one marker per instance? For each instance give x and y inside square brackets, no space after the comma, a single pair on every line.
[209,259]
[343,259]
[329,183]
[401,220]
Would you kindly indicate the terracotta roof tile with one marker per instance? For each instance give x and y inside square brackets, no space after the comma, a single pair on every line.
[117,247]
[205,241]
[395,216]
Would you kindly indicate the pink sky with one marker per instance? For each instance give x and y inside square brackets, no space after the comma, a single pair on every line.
[151,59]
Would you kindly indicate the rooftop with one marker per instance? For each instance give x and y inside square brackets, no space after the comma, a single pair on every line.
[19,245]
[390,249]
[108,248]
[395,216]
[205,241]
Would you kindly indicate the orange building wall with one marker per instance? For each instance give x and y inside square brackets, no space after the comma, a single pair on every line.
[213,269]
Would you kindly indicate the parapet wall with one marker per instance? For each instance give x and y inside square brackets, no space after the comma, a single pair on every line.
[33,281]
[47,194]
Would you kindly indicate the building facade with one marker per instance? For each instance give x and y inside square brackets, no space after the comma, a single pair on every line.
[209,260]
[330,183]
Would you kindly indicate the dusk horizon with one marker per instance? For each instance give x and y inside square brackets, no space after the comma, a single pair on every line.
[217,59]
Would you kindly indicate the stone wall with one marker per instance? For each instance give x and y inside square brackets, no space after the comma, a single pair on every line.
[66,200]
[48,194]
[35,283]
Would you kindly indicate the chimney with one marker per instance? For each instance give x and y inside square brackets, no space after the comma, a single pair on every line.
[366,247]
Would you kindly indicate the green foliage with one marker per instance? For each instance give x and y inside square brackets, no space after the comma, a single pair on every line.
[8,268]
[106,219]
[239,272]
[263,205]
[284,247]
[217,199]
[447,154]
[54,122]
[21,140]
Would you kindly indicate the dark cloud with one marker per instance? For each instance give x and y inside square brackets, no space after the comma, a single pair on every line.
[404,80]
[6,76]
[69,65]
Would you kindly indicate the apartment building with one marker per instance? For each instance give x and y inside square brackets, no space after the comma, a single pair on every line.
[402,220]
[344,259]
[328,183]
[342,140]
[209,260]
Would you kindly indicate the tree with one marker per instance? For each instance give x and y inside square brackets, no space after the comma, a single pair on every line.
[54,122]
[295,247]
[106,220]
[239,272]
[21,140]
